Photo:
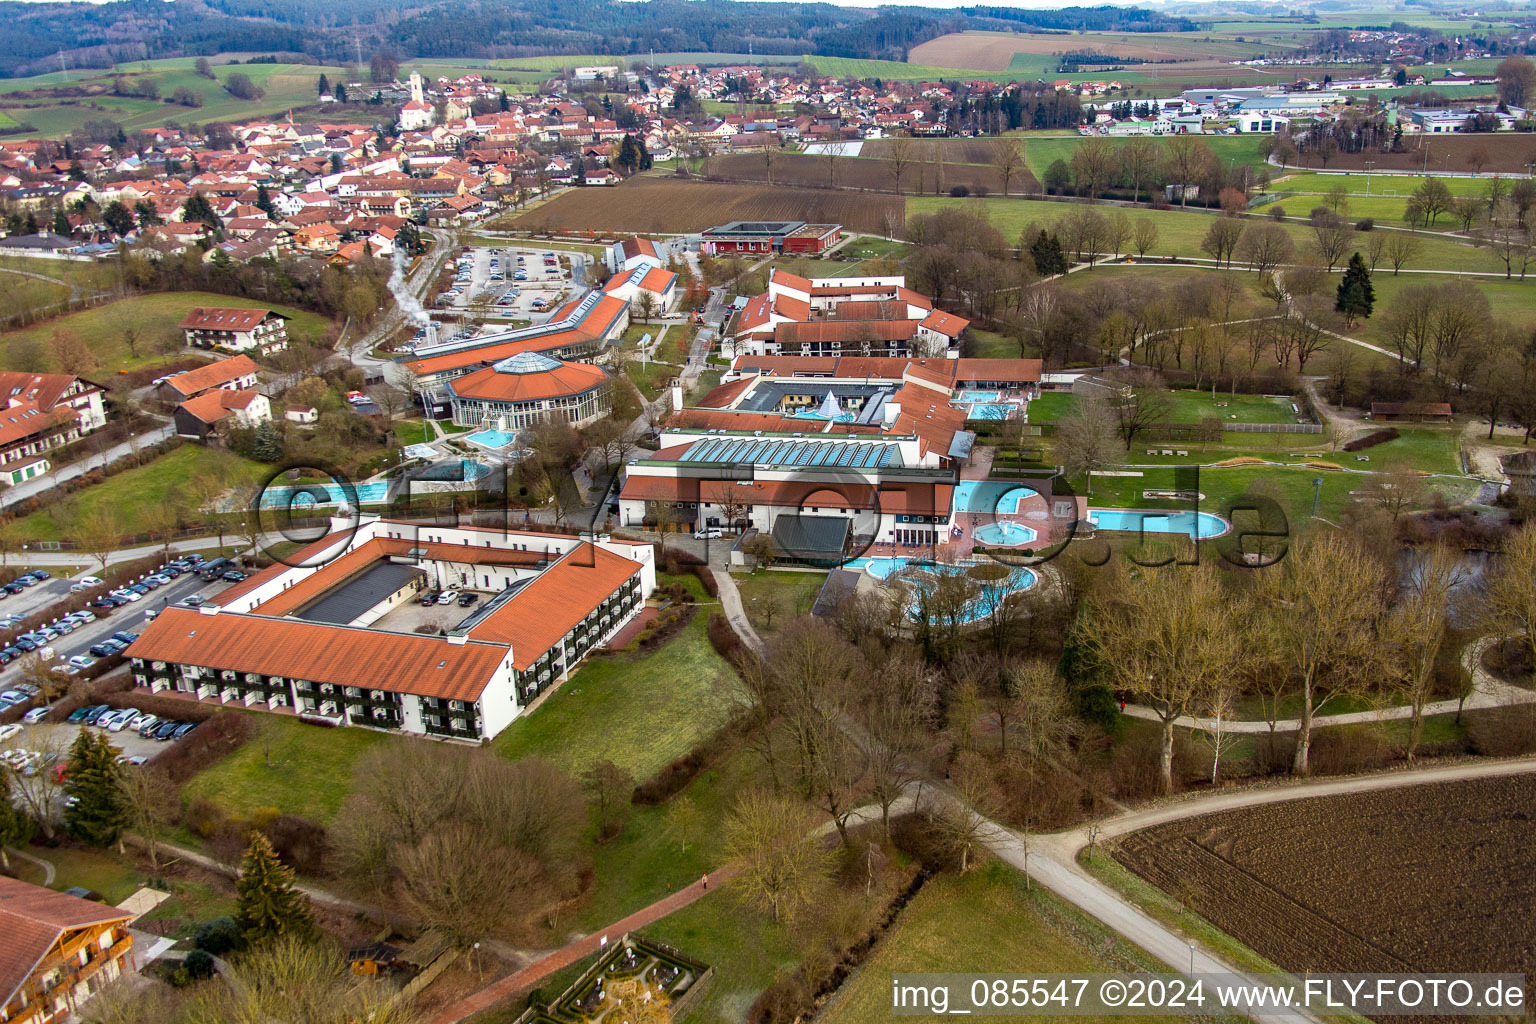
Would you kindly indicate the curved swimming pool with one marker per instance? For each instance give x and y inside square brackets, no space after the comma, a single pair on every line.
[1135,520]
[1003,535]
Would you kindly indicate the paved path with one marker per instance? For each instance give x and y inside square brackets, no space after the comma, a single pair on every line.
[39,484]
[735,611]
[47,866]
[527,977]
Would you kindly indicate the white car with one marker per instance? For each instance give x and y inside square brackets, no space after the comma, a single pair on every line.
[137,721]
[7,731]
[35,715]
[448,597]
[119,721]
[708,533]
[127,595]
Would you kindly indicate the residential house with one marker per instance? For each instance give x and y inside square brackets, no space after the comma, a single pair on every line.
[236,329]
[201,416]
[237,373]
[56,950]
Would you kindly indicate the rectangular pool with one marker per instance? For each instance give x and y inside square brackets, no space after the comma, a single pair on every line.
[990,496]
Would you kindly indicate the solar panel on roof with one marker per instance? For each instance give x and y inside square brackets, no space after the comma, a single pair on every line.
[849,452]
[827,453]
[885,457]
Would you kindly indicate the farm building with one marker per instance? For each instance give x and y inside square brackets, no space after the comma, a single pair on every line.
[1411,412]
[764,236]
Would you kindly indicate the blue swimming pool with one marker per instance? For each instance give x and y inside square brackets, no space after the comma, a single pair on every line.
[1003,535]
[1151,521]
[989,412]
[491,438]
[980,396]
[1018,578]
[989,496]
[812,414]
[315,495]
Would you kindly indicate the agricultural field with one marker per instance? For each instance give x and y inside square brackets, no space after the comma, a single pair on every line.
[858,67]
[1508,153]
[955,151]
[152,317]
[997,51]
[1433,877]
[60,103]
[922,175]
[663,205]
[1233,150]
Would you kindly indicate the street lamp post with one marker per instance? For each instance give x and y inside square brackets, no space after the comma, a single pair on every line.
[1368,165]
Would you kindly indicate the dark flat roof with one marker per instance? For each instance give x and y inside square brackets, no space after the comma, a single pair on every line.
[352,598]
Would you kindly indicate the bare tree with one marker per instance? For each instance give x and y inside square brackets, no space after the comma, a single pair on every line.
[1222,239]
[1325,602]
[1093,164]
[1007,160]
[1266,248]
[1332,241]
[1138,162]
[152,805]
[784,867]
[962,822]
[1088,440]
[895,710]
[101,534]
[1145,235]
[899,155]
[1186,161]
[1402,249]
[1421,622]
[1168,638]
[1511,593]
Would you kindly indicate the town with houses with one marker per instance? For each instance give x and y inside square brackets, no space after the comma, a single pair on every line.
[417,608]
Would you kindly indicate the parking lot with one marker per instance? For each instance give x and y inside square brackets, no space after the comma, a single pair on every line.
[514,282]
[129,617]
[412,615]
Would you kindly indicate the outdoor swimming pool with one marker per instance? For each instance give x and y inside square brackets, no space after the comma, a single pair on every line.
[1018,578]
[980,396]
[989,412]
[1152,521]
[990,496]
[1003,535]
[812,414]
[310,495]
[491,438]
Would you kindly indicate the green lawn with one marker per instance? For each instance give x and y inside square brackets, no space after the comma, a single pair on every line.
[1358,183]
[638,710]
[309,774]
[153,317]
[1511,302]
[85,275]
[790,593]
[651,377]
[1189,407]
[1242,150]
[133,493]
[1180,231]
[983,920]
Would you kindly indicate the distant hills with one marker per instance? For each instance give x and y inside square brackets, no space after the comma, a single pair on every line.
[46,36]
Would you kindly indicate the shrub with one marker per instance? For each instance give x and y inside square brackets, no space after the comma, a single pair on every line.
[302,844]
[203,817]
[219,936]
[218,737]
[1365,224]
[723,638]
[198,965]
[1372,439]
[1343,749]
[673,777]
[959,192]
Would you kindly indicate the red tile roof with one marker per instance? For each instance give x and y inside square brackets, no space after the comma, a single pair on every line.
[722,396]
[1025,371]
[545,610]
[225,318]
[26,419]
[45,389]
[212,375]
[212,406]
[321,653]
[568,379]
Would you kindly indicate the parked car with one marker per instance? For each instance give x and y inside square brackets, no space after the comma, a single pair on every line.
[183,729]
[125,636]
[448,597]
[118,720]
[27,688]
[96,714]
[81,714]
[708,533]
[35,715]
[131,760]
[13,588]
[7,731]
[12,698]
[467,599]
[427,597]
[193,601]
[233,575]
[164,732]
[10,654]
[139,720]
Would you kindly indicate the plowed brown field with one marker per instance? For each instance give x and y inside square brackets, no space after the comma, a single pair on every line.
[1508,154]
[1423,878]
[662,205]
[993,51]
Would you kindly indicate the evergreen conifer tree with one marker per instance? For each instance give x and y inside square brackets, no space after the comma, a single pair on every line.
[97,814]
[1356,297]
[267,905]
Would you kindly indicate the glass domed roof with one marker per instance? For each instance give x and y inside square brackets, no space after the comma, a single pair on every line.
[526,362]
